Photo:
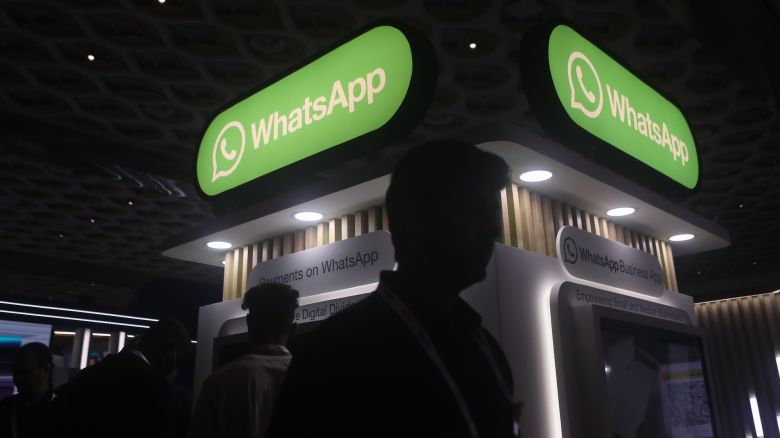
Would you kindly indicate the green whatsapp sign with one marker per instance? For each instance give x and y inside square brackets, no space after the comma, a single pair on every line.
[352,90]
[606,100]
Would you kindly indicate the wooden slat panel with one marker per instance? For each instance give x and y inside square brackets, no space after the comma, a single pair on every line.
[322,234]
[361,223]
[587,218]
[276,248]
[619,234]
[607,231]
[255,254]
[596,227]
[520,200]
[299,240]
[347,226]
[374,219]
[506,229]
[235,272]
[670,265]
[226,276]
[612,231]
[246,263]
[568,218]
[548,222]
[385,221]
[334,230]
[311,237]
[721,365]
[537,234]
[761,348]
[557,216]
[655,249]
[287,244]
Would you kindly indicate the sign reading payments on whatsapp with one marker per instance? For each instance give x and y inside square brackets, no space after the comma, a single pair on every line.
[605,99]
[348,92]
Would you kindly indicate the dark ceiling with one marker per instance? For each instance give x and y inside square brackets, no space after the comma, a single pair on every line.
[97,156]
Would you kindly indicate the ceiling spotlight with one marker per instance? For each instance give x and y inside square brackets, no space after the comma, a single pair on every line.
[472,46]
[161,1]
[681,237]
[308,216]
[91,57]
[219,245]
[92,219]
[223,262]
[536,176]
[621,211]
[130,203]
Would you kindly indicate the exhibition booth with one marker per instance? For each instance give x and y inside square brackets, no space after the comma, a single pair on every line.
[583,301]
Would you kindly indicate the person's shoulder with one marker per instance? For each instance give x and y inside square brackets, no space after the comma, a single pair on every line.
[360,321]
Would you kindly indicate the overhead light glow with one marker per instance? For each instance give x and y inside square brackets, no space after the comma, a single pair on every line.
[308,216]
[219,245]
[91,57]
[64,333]
[42,315]
[472,45]
[161,1]
[536,176]
[620,211]
[102,335]
[681,237]
[65,309]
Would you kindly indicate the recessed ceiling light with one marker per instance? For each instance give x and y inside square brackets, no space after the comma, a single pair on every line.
[219,245]
[130,203]
[681,237]
[92,219]
[308,216]
[621,211]
[536,176]
[472,45]
[91,57]
[223,262]
[161,1]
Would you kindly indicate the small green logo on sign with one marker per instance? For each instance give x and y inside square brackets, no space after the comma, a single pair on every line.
[605,99]
[348,92]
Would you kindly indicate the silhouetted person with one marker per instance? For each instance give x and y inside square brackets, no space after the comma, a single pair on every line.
[236,401]
[412,359]
[27,414]
[127,394]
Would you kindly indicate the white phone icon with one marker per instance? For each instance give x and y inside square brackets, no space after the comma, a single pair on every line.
[223,148]
[588,94]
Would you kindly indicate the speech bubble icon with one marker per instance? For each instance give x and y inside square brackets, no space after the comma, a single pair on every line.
[227,150]
[569,251]
[584,85]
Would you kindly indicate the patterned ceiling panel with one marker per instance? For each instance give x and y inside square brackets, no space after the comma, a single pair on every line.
[88,136]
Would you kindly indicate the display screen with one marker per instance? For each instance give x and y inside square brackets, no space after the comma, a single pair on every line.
[655,382]
[13,335]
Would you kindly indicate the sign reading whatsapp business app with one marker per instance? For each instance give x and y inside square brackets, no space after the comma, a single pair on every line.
[350,91]
[590,257]
[605,99]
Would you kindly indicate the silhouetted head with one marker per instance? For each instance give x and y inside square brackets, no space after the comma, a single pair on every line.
[32,367]
[271,310]
[166,344]
[444,211]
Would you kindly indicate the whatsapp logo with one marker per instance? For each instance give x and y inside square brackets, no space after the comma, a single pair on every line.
[228,150]
[584,85]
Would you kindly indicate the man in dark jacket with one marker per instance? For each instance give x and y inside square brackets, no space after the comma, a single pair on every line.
[412,359]
[28,413]
[127,394]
